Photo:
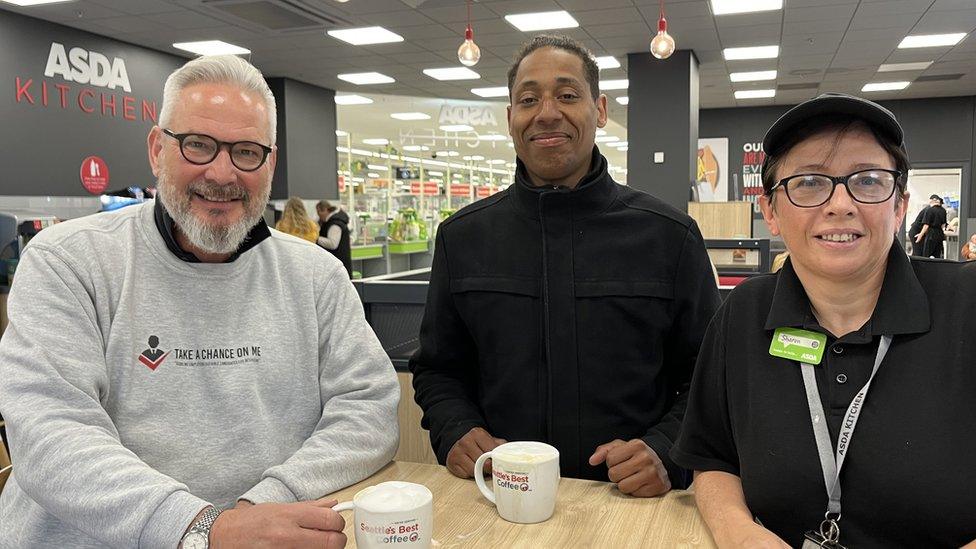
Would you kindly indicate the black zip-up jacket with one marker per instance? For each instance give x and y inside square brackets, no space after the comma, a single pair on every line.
[571,317]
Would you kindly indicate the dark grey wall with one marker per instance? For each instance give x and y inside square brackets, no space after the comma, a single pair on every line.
[663,116]
[306,141]
[42,146]
[937,131]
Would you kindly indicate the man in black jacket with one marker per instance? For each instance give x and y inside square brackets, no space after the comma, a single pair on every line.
[566,309]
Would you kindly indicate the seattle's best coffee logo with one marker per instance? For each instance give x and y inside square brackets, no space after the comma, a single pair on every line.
[85,71]
[393,533]
[511,480]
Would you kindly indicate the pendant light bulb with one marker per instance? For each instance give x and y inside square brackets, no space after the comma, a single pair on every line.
[662,45]
[469,53]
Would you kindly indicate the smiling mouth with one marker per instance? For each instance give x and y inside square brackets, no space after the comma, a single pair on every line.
[843,237]
[550,138]
[216,198]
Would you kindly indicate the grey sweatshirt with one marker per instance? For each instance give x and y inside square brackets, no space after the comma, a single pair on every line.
[265,383]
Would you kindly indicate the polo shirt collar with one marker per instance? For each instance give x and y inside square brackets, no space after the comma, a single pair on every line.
[902,308]
[165,226]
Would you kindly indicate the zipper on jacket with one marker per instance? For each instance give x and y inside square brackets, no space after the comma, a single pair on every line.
[545,307]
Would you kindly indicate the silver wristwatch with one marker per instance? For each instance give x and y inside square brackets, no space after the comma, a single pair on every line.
[199,535]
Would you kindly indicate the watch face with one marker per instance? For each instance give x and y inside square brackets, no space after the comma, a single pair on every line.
[195,540]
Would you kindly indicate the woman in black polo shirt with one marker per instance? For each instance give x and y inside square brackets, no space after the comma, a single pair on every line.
[850,334]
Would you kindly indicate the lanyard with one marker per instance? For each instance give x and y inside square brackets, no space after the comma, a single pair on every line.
[830,463]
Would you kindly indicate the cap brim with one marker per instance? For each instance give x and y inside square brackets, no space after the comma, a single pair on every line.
[878,117]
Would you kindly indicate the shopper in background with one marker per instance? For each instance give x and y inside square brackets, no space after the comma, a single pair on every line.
[762,429]
[334,232]
[295,221]
[262,387]
[915,228]
[932,235]
[567,308]
[968,251]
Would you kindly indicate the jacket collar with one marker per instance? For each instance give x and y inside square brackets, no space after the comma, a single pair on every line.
[594,193]
[165,224]
[902,308]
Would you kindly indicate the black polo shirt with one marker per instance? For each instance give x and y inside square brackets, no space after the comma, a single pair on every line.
[908,479]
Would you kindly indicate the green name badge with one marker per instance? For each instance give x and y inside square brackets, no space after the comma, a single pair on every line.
[799,345]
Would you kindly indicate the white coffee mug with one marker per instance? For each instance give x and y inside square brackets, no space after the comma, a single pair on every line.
[392,514]
[525,476]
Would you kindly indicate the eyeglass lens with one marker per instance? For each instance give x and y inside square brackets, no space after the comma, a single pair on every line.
[869,186]
[201,149]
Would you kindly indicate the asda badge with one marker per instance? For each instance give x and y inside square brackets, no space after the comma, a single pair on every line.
[799,345]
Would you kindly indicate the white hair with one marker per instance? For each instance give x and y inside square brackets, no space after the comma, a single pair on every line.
[218,69]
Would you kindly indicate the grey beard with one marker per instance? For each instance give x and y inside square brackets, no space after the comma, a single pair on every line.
[211,238]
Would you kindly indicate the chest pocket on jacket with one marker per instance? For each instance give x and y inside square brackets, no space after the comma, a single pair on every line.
[623,319]
[502,313]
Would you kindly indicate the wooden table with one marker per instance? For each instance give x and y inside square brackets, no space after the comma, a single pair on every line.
[588,514]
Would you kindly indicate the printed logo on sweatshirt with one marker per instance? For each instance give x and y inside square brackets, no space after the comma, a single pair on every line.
[153,356]
[198,358]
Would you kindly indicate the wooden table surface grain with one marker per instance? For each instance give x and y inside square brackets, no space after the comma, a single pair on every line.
[588,514]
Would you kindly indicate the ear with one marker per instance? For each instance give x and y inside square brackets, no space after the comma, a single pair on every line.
[154,143]
[769,214]
[601,107]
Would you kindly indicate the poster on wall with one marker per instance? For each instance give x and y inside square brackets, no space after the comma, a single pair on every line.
[752,161]
[712,181]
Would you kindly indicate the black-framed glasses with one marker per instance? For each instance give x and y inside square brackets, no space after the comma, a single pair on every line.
[198,148]
[809,190]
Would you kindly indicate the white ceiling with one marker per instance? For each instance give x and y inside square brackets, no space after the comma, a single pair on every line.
[826,45]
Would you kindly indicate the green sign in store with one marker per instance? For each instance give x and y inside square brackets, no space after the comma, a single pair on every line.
[799,345]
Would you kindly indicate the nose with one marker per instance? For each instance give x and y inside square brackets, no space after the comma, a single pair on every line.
[221,170]
[841,202]
[549,110]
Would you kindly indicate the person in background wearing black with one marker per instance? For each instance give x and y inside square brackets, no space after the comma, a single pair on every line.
[566,309]
[914,229]
[334,232]
[829,400]
[932,235]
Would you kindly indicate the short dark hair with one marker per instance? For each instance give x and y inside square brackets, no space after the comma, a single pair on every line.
[562,42]
[325,206]
[841,123]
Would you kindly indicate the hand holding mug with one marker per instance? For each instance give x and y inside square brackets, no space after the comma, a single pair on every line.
[637,470]
[461,457]
[268,525]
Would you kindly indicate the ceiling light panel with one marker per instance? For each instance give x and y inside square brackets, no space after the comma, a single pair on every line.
[500,91]
[729,7]
[352,100]
[884,86]
[754,94]
[365,35]
[607,62]
[365,78]
[452,73]
[931,40]
[753,52]
[529,22]
[752,76]
[211,47]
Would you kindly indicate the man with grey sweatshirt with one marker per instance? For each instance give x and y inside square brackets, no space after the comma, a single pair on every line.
[177,374]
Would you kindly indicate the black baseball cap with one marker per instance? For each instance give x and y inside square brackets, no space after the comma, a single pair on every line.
[936,197]
[877,117]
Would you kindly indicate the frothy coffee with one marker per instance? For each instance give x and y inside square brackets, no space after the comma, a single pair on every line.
[393,496]
[527,452]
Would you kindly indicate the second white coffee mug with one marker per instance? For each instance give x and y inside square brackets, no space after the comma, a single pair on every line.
[525,476]
[392,514]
